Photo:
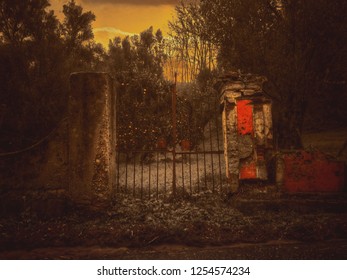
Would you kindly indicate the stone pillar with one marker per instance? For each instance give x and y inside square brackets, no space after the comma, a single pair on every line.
[247,126]
[91,151]
[231,149]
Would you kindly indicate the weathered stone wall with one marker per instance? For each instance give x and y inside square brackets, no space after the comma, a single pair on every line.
[74,164]
[231,150]
[35,181]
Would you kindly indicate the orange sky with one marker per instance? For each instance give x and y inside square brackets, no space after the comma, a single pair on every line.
[114,17]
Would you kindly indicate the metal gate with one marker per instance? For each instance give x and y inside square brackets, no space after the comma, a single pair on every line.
[169,144]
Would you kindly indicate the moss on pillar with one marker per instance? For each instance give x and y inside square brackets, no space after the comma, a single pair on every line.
[91,138]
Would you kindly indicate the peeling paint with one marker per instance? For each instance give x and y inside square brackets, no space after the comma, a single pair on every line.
[247,125]
[259,125]
[244,117]
[232,147]
[303,171]
[267,107]
[248,170]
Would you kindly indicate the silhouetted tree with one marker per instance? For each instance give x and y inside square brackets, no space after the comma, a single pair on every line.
[193,49]
[78,35]
[297,44]
[37,55]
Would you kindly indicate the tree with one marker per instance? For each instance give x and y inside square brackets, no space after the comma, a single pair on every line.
[192,47]
[18,19]
[78,35]
[77,26]
[30,70]
[37,55]
[297,44]
[136,63]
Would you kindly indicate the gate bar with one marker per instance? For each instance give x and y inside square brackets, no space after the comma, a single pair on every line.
[174,134]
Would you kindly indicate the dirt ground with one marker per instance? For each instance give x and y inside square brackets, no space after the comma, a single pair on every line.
[141,229]
[290,250]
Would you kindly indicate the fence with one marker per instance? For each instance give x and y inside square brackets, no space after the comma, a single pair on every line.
[169,146]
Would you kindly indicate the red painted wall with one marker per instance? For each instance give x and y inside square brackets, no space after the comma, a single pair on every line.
[245,117]
[312,172]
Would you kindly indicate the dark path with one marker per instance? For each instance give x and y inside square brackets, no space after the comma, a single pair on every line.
[336,249]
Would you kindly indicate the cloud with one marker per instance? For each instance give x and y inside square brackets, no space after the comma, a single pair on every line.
[134,2]
[112,31]
[104,34]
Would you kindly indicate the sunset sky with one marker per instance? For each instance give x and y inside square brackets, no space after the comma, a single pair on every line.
[116,17]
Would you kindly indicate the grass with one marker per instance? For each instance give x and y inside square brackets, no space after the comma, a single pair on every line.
[330,142]
[209,219]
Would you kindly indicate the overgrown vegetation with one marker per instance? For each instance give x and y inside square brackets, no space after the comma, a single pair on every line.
[143,95]
[201,220]
[37,55]
[299,45]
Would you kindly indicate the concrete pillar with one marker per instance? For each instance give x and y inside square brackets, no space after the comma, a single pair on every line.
[91,140]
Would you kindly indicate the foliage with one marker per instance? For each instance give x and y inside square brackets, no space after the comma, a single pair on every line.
[191,49]
[37,55]
[78,36]
[297,44]
[198,104]
[143,94]
[205,220]
[77,27]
